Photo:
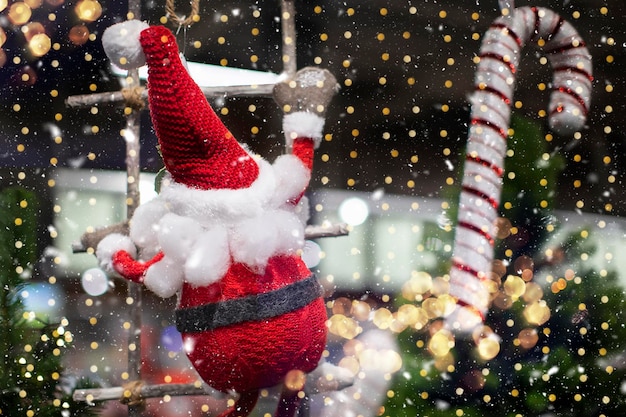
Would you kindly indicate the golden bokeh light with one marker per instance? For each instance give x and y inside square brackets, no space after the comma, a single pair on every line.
[386,361]
[417,285]
[440,343]
[34,4]
[19,13]
[489,346]
[88,10]
[294,380]
[39,44]
[31,29]
[514,286]
[537,313]
[79,34]
[528,338]
[343,326]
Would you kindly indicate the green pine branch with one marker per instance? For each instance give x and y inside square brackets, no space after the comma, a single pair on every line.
[31,381]
[577,367]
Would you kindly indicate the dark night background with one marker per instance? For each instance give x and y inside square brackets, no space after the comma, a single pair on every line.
[392,59]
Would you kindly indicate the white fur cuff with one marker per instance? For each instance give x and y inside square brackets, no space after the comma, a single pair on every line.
[111,244]
[303,125]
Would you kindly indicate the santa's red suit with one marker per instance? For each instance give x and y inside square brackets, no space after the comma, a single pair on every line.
[224,232]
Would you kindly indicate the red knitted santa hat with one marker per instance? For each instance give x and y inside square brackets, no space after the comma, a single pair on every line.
[197,149]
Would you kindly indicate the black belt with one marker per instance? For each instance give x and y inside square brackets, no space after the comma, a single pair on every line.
[250,308]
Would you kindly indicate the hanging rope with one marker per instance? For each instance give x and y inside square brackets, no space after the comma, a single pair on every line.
[132,394]
[170,10]
[133,97]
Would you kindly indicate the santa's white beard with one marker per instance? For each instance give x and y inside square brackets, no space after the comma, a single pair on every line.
[201,232]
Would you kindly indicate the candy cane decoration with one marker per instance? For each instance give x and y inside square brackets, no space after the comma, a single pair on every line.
[487,140]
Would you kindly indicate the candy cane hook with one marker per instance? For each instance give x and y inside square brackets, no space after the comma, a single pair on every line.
[486,146]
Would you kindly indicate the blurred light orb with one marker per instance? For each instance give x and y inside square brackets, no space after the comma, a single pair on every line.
[514,286]
[88,10]
[382,318]
[31,29]
[42,299]
[440,343]
[489,347]
[361,310]
[26,76]
[381,360]
[33,4]
[353,211]
[343,326]
[3,4]
[94,282]
[533,292]
[3,58]
[419,283]
[503,227]
[537,313]
[408,314]
[528,338]
[294,380]
[311,254]
[40,44]
[19,13]
[3,37]
[350,363]
[79,35]
[433,307]
[171,339]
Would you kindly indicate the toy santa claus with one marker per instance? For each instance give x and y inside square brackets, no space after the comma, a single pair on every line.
[225,231]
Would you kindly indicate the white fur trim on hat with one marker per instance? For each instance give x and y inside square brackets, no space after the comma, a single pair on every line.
[255,240]
[292,178]
[302,124]
[209,206]
[121,44]
[109,246]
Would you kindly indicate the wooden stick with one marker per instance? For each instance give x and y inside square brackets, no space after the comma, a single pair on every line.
[325,378]
[288,29]
[91,239]
[333,230]
[146,391]
[132,202]
[117,97]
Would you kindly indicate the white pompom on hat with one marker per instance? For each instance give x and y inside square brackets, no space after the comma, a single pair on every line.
[197,149]
[121,44]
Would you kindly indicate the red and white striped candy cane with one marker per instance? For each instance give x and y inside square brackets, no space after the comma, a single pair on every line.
[487,140]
